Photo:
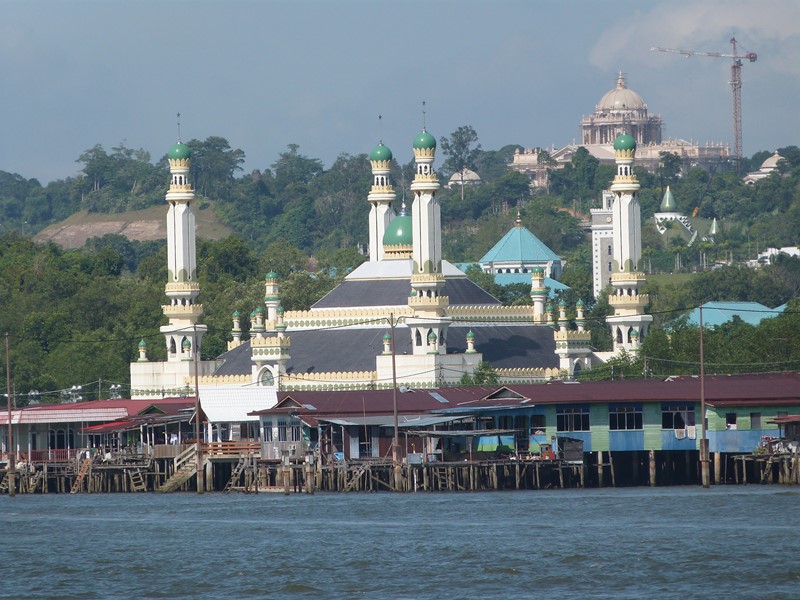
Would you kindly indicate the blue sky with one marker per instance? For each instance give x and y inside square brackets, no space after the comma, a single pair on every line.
[265,74]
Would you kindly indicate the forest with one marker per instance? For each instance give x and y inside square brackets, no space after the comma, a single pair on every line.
[75,317]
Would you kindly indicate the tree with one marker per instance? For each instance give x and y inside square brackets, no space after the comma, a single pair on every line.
[461,149]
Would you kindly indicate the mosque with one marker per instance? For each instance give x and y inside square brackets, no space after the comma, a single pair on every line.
[405,318]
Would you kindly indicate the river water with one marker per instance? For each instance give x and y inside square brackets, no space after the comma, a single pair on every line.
[676,542]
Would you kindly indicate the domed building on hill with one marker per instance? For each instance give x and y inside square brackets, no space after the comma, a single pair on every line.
[621,110]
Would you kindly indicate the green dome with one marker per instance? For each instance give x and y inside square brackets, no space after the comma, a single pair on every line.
[236,314]
[380,152]
[398,233]
[280,310]
[186,343]
[431,337]
[142,344]
[579,303]
[624,142]
[387,337]
[470,335]
[424,141]
[179,151]
[259,310]
[272,275]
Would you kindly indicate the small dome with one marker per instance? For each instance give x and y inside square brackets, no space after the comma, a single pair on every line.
[179,151]
[259,310]
[186,343]
[399,233]
[280,310]
[466,176]
[668,202]
[579,303]
[424,141]
[271,275]
[562,304]
[772,162]
[431,337]
[620,98]
[470,335]
[634,333]
[387,337]
[235,314]
[142,344]
[380,152]
[624,142]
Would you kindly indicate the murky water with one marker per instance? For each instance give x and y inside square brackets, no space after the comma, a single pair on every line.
[726,542]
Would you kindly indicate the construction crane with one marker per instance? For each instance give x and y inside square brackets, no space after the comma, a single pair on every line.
[736,86]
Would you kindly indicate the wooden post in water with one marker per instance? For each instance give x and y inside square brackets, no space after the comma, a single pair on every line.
[10,448]
[652,456]
[717,468]
[599,468]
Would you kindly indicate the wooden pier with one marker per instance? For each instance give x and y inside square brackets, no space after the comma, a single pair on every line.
[237,467]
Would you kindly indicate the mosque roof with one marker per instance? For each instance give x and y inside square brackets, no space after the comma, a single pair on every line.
[380,152]
[399,232]
[179,151]
[717,313]
[668,202]
[620,98]
[394,292]
[337,350]
[424,140]
[624,142]
[519,245]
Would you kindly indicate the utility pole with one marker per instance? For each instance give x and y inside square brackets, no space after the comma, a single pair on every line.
[703,439]
[396,438]
[11,466]
[198,451]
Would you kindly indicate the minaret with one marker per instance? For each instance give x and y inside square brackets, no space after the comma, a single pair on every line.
[381,196]
[427,280]
[182,286]
[627,280]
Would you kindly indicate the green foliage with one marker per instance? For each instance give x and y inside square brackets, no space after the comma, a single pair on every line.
[484,375]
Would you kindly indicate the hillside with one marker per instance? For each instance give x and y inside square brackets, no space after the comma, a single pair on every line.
[140,225]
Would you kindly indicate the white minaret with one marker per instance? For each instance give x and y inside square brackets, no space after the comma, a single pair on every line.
[628,323]
[425,210]
[429,324]
[381,196]
[182,286]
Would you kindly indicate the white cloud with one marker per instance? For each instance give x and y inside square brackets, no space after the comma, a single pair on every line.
[704,26]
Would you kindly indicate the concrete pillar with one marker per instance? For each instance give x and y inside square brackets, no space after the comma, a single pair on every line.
[717,468]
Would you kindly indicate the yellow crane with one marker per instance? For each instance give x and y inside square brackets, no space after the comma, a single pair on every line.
[736,86]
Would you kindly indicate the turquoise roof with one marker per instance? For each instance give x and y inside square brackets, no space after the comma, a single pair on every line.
[519,245]
[717,313]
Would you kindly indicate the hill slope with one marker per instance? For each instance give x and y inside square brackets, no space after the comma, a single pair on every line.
[142,225]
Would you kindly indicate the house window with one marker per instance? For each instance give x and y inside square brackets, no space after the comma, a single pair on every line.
[267,436]
[365,442]
[755,420]
[505,422]
[294,432]
[677,416]
[538,423]
[572,419]
[621,417]
[730,420]
[281,430]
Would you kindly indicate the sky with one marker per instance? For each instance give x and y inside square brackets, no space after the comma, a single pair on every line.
[265,74]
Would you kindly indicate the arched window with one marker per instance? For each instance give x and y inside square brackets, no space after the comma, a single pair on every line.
[418,338]
[619,335]
[266,378]
[172,349]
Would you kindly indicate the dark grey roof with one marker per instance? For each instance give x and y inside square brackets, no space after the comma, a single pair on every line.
[323,351]
[394,292]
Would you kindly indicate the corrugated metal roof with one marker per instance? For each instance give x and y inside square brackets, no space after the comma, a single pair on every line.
[717,313]
[231,405]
